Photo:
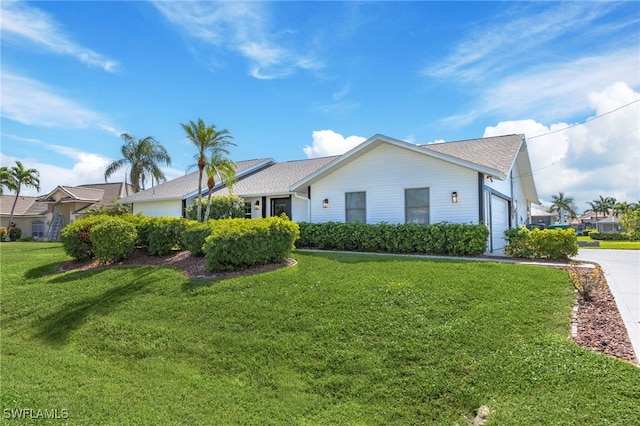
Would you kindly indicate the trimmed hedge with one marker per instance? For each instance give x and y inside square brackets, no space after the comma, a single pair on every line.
[611,236]
[113,239]
[76,238]
[222,207]
[536,243]
[194,236]
[440,238]
[240,243]
[165,235]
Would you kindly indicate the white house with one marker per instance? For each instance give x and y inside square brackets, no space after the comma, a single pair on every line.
[487,180]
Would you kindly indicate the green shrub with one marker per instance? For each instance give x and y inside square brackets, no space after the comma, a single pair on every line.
[222,207]
[440,238]
[537,243]
[588,231]
[113,239]
[15,233]
[3,233]
[194,236]
[164,234]
[611,236]
[76,239]
[240,243]
[518,242]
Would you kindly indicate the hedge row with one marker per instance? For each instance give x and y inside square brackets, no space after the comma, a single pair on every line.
[441,238]
[230,243]
[611,236]
[541,244]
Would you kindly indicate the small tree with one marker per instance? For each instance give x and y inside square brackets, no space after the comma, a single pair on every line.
[220,207]
[631,222]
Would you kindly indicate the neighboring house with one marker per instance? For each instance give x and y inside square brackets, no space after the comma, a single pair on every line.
[609,224]
[542,219]
[486,180]
[43,217]
[585,221]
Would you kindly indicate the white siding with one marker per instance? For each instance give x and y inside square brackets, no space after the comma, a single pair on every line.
[520,206]
[383,173]
[172,208]
[501,186]
[299,209]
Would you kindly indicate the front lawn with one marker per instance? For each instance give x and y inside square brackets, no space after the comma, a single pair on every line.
[336,339]
[620,245]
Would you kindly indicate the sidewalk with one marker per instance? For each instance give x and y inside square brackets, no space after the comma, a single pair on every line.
[622,272]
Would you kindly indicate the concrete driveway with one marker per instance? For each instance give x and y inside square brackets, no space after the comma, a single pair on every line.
[622,271]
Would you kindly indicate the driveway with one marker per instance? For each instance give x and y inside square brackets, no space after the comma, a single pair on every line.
[622,271]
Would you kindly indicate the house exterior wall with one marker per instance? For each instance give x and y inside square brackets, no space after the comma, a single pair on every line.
[171,208]
[520,207]
[384,173]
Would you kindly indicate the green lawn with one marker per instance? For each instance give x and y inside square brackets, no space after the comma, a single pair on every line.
[620,245]
[336,339]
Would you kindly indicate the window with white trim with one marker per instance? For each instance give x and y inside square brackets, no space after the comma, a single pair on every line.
[416,205]
[355,207]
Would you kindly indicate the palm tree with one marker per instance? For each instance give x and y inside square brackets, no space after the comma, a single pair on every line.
[602,205]
[225,169]
[621,208]
[6,180]
[206,139]
[143,156]
[561,205]
[20,176]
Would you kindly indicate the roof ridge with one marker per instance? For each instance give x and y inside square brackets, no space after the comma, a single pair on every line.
[472,139]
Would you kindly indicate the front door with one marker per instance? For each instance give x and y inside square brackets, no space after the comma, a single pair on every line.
[281,205]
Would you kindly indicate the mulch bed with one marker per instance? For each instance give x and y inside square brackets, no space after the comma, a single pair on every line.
[597,321]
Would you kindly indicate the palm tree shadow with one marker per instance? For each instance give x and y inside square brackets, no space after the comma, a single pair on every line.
[42,271]
[56,327]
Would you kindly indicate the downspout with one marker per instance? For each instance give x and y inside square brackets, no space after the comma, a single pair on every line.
[308,201]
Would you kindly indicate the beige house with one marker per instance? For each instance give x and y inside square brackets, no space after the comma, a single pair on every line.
[43,217]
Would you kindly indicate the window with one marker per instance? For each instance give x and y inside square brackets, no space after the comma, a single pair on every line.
[37,229]
[356,207]
[247,210]
[416,206]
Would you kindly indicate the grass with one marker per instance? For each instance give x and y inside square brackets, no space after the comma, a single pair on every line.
[619,245]
[336,339]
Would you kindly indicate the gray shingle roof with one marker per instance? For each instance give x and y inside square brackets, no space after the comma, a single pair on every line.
[278,178]
[188,184]
[497,153]
[25,206]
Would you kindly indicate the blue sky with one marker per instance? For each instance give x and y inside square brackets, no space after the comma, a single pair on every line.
[292,80]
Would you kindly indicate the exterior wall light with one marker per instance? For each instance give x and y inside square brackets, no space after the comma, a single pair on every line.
[325,203]
[256,206]
[454,197]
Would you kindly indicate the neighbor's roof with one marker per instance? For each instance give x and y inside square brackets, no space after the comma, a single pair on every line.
[187,185]
[25,206]
[278,178]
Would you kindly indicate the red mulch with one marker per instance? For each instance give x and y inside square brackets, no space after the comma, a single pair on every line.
[599,325]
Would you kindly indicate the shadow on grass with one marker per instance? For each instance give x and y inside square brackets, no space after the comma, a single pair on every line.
[56,327]
[43,270]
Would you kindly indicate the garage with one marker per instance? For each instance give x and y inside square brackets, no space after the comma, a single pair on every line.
[499,222]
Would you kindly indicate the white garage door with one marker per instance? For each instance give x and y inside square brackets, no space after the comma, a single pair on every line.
[499,222]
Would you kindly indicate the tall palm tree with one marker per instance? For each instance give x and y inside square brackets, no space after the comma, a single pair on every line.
[143,157]
[21,177]
[562,204]
[225,169]
[6,180]
[206,139]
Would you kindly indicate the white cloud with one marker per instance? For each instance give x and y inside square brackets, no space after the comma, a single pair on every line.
[240,27]
[598,157]
[87,168]
[328,142]
[20,23]
[31,102]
